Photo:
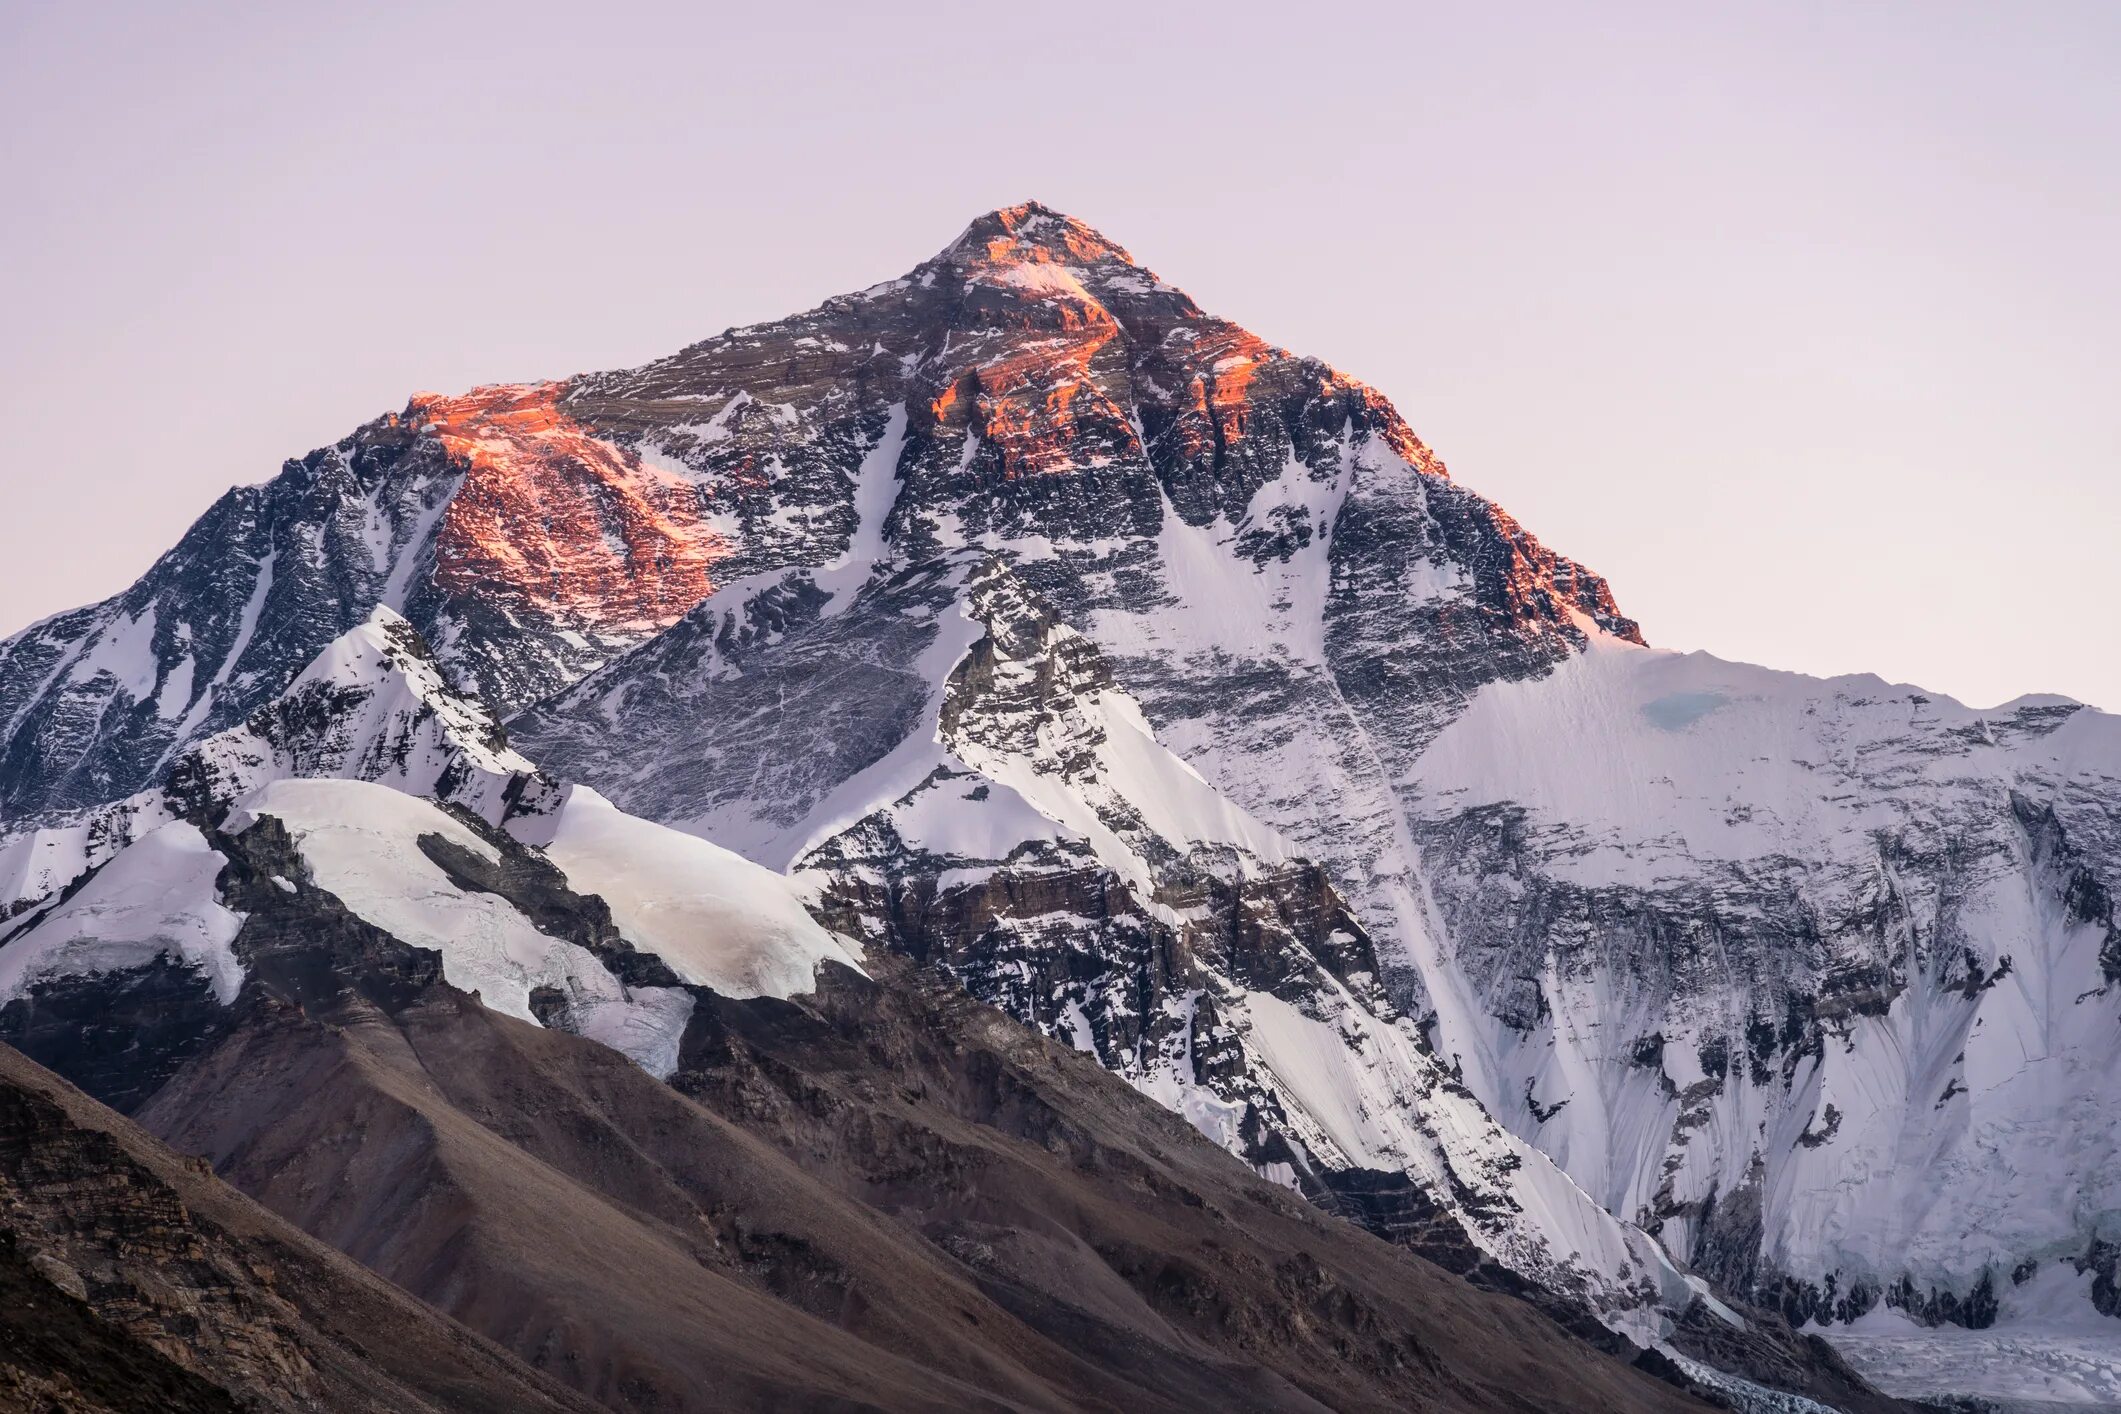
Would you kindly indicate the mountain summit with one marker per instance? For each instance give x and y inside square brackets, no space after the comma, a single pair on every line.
[1033,231]
[534,532]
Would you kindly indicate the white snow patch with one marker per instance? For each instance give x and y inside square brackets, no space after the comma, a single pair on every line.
[361,842]
[154,897]
[126,651]
[876,488]
[2049,1350]
[246,629]
[718,919]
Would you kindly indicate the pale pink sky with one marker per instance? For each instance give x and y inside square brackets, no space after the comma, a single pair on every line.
[1802,323]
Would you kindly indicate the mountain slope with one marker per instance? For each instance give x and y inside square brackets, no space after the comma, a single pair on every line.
[1303,607]
[533,532]
[1032,840]
[1816,978]
[137,1281]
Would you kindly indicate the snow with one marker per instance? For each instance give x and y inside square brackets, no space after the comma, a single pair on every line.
[892,775]
[389,717]
[126,651]
[1095,766]
[1039,278]
[154,898]
[361,842]
[399,584]
[1075,1026]
[1168,1079]
[949,816]
[1574,747]
[1097,773]
[1124,773]
[718,919]
[39,635]
[393,719]
[1050,750]
[175,694]
[38,863]
[1966,1128]
[1362,1091]
[876,487]
[1231,606]
[716,428]
[1744,1395]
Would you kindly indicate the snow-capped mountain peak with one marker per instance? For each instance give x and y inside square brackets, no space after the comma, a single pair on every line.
[1032,231]
[1159,687]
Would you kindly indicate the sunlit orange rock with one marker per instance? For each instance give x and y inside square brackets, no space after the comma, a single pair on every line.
[1039,396]
[556,522]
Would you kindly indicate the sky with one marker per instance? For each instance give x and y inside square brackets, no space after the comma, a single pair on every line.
[1799,322]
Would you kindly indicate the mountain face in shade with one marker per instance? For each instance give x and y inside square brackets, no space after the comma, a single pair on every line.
[1016,629]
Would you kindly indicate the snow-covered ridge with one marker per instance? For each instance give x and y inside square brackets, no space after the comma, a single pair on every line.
[368,762]
[374,705]
[1058,732]
[363,843]
[715,917]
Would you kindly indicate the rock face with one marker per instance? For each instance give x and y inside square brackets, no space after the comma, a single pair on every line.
[524,546]
[1040,847]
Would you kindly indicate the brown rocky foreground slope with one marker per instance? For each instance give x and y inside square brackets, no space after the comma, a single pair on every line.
[132,1279]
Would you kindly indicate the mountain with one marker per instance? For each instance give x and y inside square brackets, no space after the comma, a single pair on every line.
[1019,627]
[673,1144]
[1814,978]
[533,532]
